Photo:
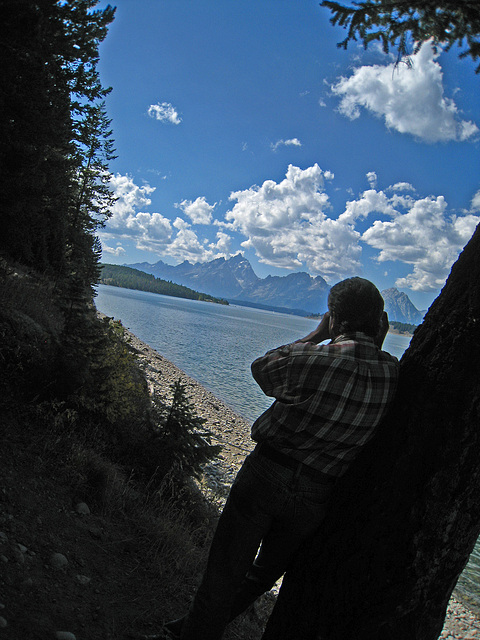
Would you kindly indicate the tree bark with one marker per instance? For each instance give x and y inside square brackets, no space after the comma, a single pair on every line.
[405,518]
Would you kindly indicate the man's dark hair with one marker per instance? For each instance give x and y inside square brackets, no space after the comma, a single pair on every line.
[356,305]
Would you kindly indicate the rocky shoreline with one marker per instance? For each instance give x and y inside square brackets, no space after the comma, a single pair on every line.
[227,428]
[233,433]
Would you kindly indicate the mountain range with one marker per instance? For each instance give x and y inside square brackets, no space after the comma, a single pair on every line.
[235,280]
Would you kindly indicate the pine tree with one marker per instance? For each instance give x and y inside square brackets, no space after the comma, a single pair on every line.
[34,137]
[55,140]
[185,441]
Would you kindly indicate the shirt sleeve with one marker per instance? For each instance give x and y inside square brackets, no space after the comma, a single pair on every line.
[271,371]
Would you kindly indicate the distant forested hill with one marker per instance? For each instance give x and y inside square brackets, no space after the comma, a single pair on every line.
[403,327]
[128,278]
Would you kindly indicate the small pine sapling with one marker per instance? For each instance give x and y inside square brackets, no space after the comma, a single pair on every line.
[184,435]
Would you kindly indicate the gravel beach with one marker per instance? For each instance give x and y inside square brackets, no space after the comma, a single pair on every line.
[233,433]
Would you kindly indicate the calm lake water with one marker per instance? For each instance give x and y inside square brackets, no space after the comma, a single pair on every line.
[215,345]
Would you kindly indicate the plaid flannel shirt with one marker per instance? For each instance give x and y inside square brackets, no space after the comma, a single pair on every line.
[328,399]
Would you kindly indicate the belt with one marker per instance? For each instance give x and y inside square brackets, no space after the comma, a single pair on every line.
[284,460]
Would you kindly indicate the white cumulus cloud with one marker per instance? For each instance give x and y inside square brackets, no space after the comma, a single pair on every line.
[117,251]
[199,211]
[401,186]
[223,245]
[165,112]
[372,179]
[476,201]
[154,232]
[371,200]
[150,231]
[410,98]
[286,225]
[293,142]
[422,235]
[186,245]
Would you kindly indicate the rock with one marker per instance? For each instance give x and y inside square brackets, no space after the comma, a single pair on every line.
[3,623]
[19,556]
[82,579]
[64,635]
[82,509]
[22,548]
[3,537]
[95,532]
[58,561]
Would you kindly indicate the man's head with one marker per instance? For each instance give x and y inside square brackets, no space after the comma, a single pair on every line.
[355,304]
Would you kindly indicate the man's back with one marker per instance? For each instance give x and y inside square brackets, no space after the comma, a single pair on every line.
[328,399]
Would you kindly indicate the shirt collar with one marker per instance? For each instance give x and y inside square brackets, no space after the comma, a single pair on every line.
[356,336]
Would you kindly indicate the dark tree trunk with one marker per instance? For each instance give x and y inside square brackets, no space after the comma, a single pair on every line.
[406,516]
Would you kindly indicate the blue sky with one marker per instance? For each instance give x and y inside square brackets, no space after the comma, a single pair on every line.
[240,126]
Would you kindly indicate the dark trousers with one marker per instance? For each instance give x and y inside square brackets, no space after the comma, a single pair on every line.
[270,511]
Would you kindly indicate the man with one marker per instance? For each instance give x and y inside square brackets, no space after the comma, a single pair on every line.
[328,401]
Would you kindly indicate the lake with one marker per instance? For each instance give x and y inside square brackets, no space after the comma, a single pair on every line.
[215,345]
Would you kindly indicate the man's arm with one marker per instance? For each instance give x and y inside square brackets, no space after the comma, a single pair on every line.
[271,370]
[321,333]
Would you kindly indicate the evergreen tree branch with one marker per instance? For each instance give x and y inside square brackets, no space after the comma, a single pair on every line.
[399,23]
